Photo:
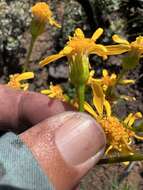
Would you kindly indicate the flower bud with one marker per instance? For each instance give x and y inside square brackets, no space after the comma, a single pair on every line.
[37,28]
[79,69]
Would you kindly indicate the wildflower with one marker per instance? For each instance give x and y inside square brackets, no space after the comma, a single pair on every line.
[119,137]
[110,80]
[43,14]
[125,46]
[15,80]
[78,45]
[55,92]
[77,50]
[119,134]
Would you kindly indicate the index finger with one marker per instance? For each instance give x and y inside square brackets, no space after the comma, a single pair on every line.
[20,110]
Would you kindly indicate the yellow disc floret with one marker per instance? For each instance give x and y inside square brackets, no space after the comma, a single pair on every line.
[118,136]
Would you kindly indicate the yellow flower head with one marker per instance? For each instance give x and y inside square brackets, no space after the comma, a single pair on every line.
[55,91]
[119,137]
[119,134]
[78,45]
[109,80]
[106,80]
[15,80]
[42,13]
[125,46]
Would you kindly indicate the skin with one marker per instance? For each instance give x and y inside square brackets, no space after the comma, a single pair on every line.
[66,143]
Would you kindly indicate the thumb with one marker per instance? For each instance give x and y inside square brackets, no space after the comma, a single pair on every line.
[66,146]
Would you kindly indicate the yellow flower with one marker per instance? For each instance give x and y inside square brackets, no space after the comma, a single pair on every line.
[119,134]
[106,80]
[42,13]
[124,46]
[78,45]
[109,80]
[119,137]
[55,91]
[15,80]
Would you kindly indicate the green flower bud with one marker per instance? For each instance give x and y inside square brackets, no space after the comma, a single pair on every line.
[79,69]
[37,28]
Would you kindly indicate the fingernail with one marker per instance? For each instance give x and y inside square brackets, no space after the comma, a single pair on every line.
[79,138]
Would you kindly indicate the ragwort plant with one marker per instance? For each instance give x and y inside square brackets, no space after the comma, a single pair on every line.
[120,133]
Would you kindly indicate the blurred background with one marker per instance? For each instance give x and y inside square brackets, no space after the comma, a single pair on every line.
[124,17]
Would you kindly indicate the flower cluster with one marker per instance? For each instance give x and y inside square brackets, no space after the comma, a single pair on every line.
[120,133]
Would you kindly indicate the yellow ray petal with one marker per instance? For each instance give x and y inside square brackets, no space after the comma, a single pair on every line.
[113,76]
[134,117]
[25,76]
[119,39]
[108,149]
[50,59]
[92,72]
[89,109]
[127,119]
[107,108]
[98,97]
[25,86]
[54,23]
[117,49]
[97,34]
[66,51]
[138,137]
[125,82]
[100,50]
[104,73]
[130,119]
[46,92]
[79,33]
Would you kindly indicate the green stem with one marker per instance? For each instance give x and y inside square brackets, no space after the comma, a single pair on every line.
[126,158]
[25,67]
[80,95]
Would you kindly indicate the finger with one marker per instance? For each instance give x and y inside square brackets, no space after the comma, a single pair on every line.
[35,107]
[66,146]
[28,108]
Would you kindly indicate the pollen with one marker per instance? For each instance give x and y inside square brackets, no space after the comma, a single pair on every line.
[118,136]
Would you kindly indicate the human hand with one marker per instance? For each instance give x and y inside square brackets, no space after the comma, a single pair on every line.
[65,143]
